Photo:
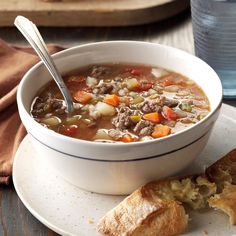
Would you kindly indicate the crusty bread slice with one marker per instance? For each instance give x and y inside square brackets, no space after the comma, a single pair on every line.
[192,190]
[150,209]
[141,215]
[223,171]
[226,201]
[155,209]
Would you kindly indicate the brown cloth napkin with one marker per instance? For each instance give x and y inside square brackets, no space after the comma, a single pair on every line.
[15,61]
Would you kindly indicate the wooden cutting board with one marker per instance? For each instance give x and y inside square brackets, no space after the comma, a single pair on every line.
[90,12]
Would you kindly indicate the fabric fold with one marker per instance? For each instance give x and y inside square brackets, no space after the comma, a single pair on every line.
[15,61]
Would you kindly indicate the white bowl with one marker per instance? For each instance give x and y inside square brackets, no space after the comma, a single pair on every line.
[117,168]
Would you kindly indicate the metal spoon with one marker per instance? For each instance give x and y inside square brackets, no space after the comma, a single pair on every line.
[31,33]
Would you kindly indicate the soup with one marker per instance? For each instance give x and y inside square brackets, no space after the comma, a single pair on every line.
[122,103]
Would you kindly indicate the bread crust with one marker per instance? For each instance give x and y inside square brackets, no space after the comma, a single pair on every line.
[223,172]
[224,169]
[141,214]
[147,213]
[226,201]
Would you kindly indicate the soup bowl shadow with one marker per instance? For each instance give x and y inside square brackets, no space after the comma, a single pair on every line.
[119,168]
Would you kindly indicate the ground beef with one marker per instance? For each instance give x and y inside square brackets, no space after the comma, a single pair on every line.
[122,120]
[144,128]
[155,105]
[48,105]
[149,106]
[55,104]
[100,71]
[171,102]
[39,107]
[103,88]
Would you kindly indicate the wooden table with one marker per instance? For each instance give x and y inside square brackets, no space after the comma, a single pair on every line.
[15,219]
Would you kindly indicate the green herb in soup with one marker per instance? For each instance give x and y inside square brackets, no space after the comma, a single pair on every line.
[122,103]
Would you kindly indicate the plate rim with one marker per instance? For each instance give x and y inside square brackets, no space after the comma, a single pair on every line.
[22,198]
[227,110]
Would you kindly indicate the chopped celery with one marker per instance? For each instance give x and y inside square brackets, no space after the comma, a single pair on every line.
[185,107]
[73,119]
[137,99]
[135,119]
[201,116]
[51,121]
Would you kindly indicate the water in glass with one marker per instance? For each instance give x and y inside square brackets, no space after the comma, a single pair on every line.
[214,29]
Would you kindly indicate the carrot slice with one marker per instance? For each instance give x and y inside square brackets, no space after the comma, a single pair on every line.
[161,131]
[153,117]
[127,138]
[169,113]
[112,100]
[82,97]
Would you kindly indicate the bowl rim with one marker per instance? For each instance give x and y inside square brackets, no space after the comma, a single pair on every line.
[68,51]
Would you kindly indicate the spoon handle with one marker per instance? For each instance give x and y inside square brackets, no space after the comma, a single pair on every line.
[32,35]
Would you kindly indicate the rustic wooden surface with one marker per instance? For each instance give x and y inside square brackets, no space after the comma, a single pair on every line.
[15,219]
[90,13]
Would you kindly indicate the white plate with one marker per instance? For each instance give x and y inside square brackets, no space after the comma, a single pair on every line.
[69,210]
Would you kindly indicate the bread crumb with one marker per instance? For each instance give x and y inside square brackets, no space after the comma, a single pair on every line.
[205,232]
[91,221]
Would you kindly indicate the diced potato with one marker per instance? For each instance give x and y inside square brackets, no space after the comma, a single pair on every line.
[132,83]
[105,109]
[102,134]
[51,121]
[91,81]
[95,114]
[159,72]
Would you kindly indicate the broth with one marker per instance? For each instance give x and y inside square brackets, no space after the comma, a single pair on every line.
[122,103]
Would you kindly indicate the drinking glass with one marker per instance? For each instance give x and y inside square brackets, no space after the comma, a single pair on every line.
[214,30]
